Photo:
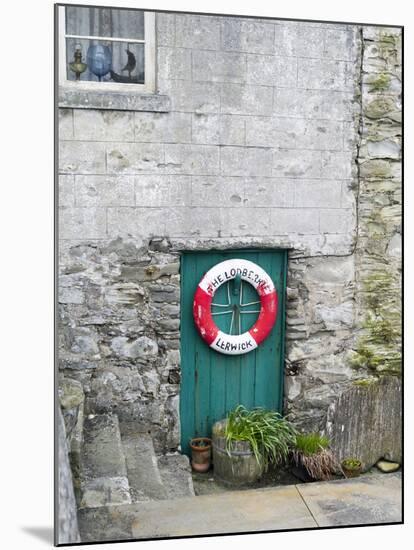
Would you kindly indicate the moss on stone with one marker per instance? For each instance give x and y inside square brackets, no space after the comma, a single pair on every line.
[365,357]
[374,138]
[382,331]
[390,39]
[379,348]
[392,365]
[388,45]
[381,360]
[70,393]
[375,169]
[380,83]
[379,107]
[365,381]
[377,285]
[375,230]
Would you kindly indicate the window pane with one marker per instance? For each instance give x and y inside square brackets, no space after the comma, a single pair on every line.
[128,61]
[106,61]
[105,22]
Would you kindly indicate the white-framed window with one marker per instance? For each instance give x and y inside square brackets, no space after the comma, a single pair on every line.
[109,49]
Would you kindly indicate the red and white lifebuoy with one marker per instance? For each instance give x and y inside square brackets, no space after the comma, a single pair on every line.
[231,344]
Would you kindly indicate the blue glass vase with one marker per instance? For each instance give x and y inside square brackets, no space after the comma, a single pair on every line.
[99,59]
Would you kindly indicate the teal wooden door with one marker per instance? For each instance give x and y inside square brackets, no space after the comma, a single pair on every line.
[213,383]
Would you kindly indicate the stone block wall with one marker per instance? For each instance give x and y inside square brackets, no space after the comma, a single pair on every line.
[258,141]
[256,144]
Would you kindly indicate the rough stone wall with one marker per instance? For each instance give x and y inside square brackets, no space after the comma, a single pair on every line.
[119,331]
[257,148]
[378,252]
[320,325]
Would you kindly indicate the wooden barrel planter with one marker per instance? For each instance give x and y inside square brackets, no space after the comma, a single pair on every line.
[238,469]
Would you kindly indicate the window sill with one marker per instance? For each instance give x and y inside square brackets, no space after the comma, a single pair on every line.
[118,101]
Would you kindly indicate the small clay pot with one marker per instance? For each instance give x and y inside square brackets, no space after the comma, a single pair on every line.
[351,472]
[200,454]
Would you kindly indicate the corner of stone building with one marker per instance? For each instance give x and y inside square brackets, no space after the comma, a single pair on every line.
[375,351]
[378,251]
[344,311]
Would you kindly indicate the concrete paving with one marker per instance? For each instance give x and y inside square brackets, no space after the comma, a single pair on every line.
[366,500]
[238,511]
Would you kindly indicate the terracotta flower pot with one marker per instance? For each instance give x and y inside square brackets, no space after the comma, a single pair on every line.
[351,471]
[200,454]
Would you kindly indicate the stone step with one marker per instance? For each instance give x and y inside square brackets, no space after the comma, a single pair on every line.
[142,467]
[176,476]
[103,472]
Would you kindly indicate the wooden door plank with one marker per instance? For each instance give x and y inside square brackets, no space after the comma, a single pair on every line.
[217,367]
[188,345]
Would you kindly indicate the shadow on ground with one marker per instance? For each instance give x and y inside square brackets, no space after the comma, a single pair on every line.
[206,484]
[44,534]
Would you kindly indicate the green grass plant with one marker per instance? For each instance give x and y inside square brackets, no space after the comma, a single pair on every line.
[313,453]
[309,444]
[270,435]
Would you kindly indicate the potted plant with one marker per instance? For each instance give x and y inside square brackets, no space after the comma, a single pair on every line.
[313,460]
[200,453]
[351,467]
[247,441]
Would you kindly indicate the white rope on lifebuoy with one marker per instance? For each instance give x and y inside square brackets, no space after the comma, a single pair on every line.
[221,273]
